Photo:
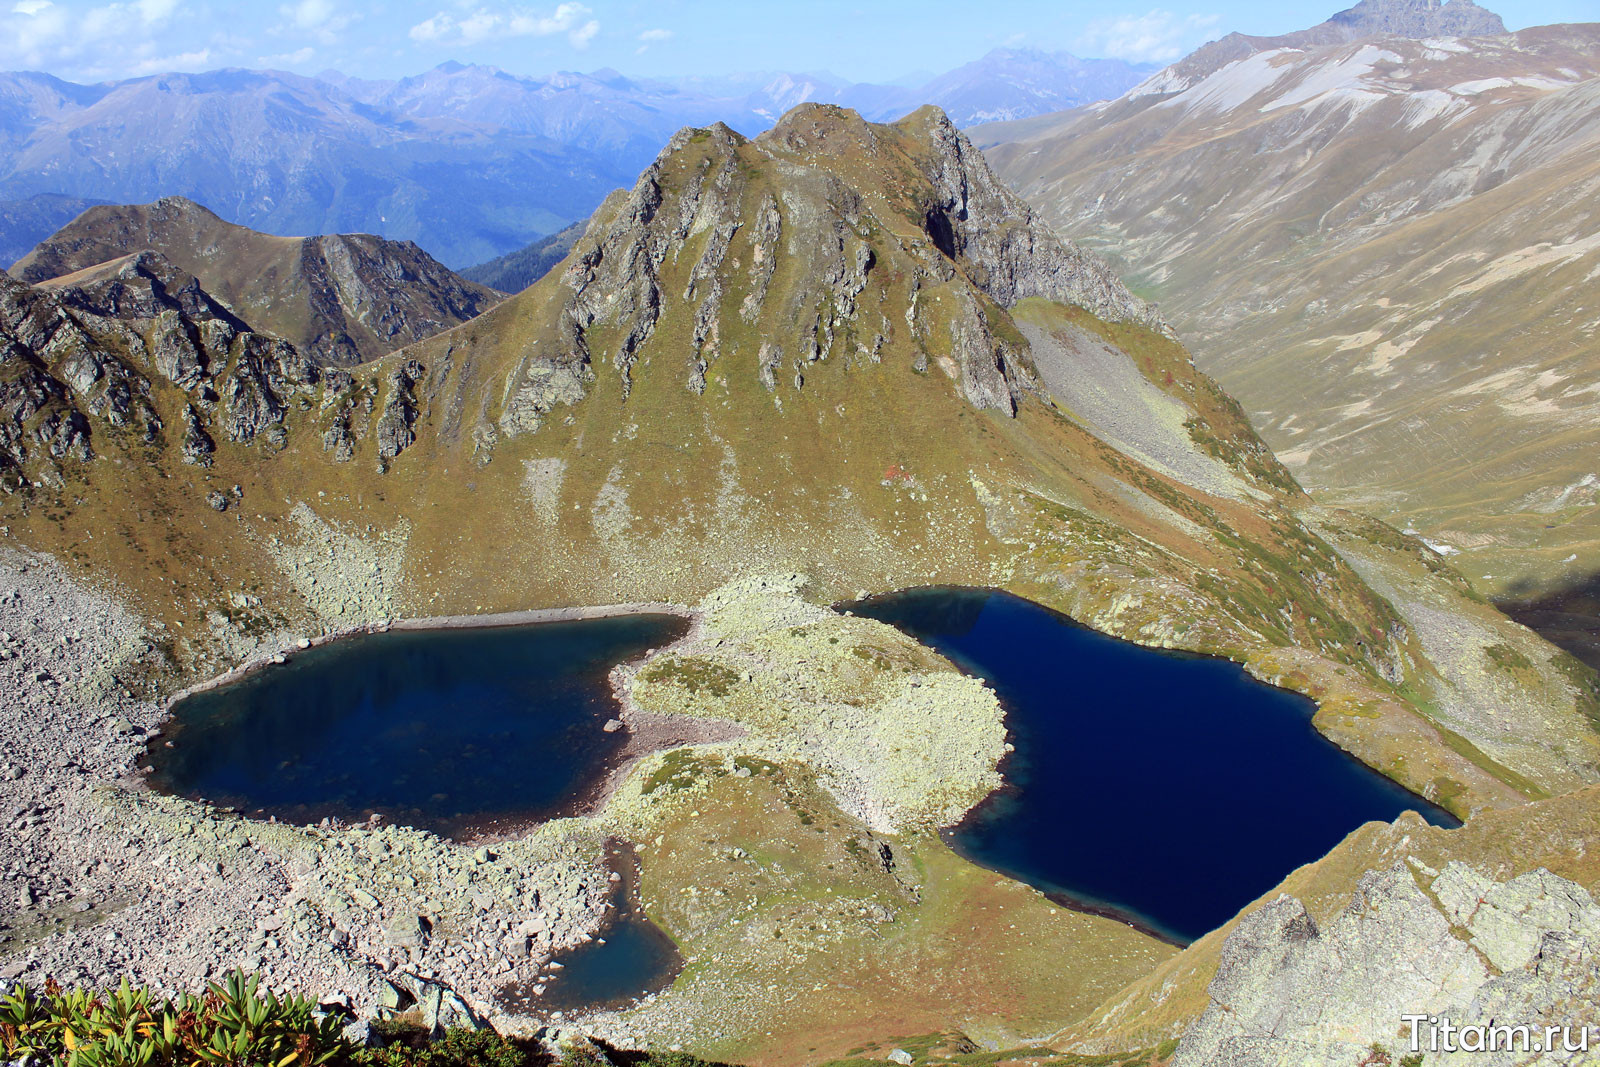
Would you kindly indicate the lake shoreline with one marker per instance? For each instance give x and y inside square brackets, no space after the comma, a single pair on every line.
[521,617]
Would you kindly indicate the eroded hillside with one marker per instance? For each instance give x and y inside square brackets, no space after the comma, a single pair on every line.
[1385,247]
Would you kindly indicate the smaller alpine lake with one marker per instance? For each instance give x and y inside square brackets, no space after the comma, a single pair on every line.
[1165,788]
[448,730]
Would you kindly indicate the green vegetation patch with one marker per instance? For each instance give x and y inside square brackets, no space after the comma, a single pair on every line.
[1507,658]
[231,1023]
[694,674]
[680,769]
[235,1023]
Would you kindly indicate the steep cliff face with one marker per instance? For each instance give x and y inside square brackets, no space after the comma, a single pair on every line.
[342,298]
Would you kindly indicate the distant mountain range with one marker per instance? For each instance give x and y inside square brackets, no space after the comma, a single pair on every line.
[470,162]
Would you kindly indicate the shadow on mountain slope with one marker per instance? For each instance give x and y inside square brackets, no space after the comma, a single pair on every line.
[1566,614]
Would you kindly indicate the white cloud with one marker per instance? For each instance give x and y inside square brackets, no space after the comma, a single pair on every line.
[656,35]
[582,35]
[323,20]
[1156,37]
[156,10]
[485,24]
[113,39]
[289,59]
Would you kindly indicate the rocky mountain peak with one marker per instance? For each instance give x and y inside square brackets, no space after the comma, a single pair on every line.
[342,298]
[1417,18]
[1370,18]
[823,236]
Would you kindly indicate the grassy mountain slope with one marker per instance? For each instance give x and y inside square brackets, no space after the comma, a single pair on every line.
[1385,249]
[843,349]
[515,271]
[343,299]
[840,347]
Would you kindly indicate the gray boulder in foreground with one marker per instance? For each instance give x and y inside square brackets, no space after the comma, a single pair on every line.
[1454,946]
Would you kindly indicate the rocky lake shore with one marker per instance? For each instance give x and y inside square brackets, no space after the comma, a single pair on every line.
[110,878]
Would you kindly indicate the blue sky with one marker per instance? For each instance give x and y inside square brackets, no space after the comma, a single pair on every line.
[91,40]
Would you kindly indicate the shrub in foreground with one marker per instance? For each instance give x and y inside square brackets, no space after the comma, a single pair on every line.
[230,1025]
[237,1024]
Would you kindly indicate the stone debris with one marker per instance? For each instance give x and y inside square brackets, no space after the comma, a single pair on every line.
[110,879]
[1454,945]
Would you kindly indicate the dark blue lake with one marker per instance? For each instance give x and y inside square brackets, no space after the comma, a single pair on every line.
[447,730]
[1165,788]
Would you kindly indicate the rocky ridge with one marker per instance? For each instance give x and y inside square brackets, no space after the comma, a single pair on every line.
[1367,20]
[614,276]
[1452,945]
[342,299]
[94,347]
[1416,18]
[842,346]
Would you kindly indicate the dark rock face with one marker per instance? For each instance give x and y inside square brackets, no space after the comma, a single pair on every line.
[1005,247]
[341,299]
[1417,18]
[394,430]
[99,346]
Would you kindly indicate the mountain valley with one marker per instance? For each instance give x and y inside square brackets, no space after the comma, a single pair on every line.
[1384,248]
[471,162]
[266,500]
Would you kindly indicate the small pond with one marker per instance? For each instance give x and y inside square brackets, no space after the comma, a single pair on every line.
[629,957]
[1168,789]
[450,730]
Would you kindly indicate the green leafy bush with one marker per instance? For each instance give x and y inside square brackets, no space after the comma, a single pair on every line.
[456,1048]
[231,1025]
[237,1024]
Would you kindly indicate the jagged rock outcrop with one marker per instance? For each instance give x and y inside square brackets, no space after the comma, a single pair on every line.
[342,298]
[814,254]
[99,345]
[394,430]
[1452,945]
[1005,247]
